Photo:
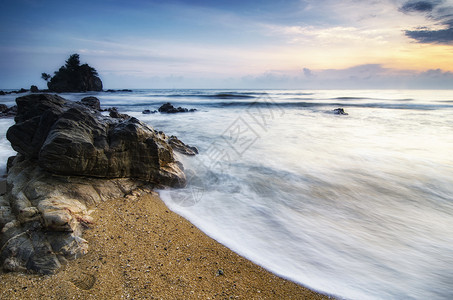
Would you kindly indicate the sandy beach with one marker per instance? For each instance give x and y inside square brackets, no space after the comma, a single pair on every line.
[139,249]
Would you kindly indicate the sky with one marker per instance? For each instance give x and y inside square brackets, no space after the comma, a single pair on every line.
[302,44]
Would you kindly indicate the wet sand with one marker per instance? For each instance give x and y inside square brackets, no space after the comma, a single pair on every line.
[139,249]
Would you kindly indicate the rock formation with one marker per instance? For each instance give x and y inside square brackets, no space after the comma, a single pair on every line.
[73,77]
[170,109]
[339,111]
[71,157]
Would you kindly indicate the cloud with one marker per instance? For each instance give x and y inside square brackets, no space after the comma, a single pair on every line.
[443,36]
[418,6]
[439,11]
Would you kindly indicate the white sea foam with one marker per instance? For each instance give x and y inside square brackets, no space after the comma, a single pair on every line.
[5,146]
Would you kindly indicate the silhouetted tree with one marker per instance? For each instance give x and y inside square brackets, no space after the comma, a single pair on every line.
[46,76]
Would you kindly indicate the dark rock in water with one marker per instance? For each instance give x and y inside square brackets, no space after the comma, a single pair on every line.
[21,91]
[92,102]
[170,109]
[3,107]
[70,158]
[118,91]
[34,89]
[147,112]
[339,111]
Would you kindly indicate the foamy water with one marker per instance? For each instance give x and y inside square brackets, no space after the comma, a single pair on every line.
[359,206]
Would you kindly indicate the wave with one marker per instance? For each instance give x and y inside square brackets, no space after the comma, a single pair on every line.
[304,104]
[218,95]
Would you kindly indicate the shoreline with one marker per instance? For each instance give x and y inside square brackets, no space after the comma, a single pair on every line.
[141,249]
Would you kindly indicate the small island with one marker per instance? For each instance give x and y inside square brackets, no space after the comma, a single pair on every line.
[73,77]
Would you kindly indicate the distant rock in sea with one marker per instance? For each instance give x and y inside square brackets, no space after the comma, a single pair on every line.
[73,77]
[147,112]
[118,91]
[170,109]
[340,111]
[71,157]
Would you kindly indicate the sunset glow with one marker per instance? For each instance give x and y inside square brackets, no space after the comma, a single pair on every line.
[204,43]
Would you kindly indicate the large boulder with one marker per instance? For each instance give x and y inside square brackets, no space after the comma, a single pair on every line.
[68,138]
[70,158]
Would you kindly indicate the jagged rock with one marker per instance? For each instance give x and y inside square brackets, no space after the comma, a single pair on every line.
[70,158]
[43,214]
[116,115]
[147,112]
[170,109]
[67,138]
[92,102]
[339,111]
[3,107]
[180,147]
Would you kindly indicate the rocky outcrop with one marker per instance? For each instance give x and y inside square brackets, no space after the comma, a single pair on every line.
[71,157]
[73,77]
[170,109]
[340,111]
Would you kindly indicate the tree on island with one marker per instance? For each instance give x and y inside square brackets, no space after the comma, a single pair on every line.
[73,77]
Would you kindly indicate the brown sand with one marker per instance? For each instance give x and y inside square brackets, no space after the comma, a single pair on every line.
[139,249]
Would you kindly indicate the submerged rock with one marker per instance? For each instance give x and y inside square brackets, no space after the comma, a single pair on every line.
[70,158]
[170,109]
[147,112]
[339,111]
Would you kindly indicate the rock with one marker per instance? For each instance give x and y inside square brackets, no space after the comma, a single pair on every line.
[92,102]
[2,93]
[116,115]
[21,91]
[3,108]
[73,77]
[117,91]
[34,89]
[67,138]
[339,111]
[43,215]
[36,113]
[147,112]
[71,157]
[170,109]
[9,112]
[180,147]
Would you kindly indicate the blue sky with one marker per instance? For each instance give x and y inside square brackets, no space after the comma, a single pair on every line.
[232,44]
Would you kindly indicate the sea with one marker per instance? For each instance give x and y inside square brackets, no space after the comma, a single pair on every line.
[356,205]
